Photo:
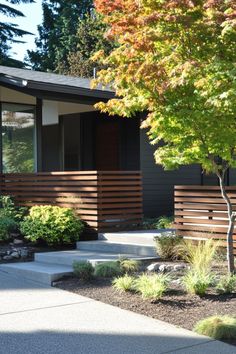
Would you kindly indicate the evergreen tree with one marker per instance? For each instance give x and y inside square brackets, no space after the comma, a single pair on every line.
[57,34]
[9,32]
[89,39]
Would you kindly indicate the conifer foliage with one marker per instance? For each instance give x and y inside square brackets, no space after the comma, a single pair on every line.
[57,33]
[10,32]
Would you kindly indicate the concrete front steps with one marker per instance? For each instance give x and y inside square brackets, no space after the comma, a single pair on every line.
[51,266]
[39,272]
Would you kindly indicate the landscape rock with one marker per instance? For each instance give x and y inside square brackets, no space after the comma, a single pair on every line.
[179,267]
[165,268]
[154,267]
[7,258]
[14,234]
[18,242]
[176,282]
[15,255]
[24,253]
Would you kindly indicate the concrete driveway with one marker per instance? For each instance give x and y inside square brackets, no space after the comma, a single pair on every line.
[42,320]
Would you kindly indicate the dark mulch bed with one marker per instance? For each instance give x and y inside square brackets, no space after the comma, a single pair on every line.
[32,249]
[176,307]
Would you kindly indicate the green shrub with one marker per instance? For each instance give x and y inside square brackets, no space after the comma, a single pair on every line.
[7,225]
[53,224]
[166,244]
[83,270]
[124,283]
[162,222]
[108,270]
[217,327]
[129,265]
[199,255]
[197,282]
[9,210]
[226,284]
[152,286]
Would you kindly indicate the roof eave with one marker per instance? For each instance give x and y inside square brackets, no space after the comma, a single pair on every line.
[56,88]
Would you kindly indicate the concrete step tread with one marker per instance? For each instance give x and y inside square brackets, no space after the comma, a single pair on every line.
[112,243]
[39,267]
[67,257]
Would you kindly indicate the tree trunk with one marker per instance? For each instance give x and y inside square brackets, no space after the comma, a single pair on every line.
[230,231]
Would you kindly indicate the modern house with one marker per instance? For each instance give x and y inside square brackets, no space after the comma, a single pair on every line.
[48,123]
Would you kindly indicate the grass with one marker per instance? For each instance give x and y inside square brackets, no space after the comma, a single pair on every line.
[124,283]
[197,282]
[108,270]
[152,286]
[226,284]
[200,256]
[83,270]
[217,327]
[166,244]
[129,265]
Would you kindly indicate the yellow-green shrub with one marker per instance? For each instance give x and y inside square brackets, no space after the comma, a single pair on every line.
[53,224]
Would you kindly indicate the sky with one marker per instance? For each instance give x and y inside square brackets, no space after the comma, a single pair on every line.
[33,17]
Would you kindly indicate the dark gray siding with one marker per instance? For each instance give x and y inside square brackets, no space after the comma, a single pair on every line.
[130,144]
[158,185]
[87,140]
[51,149]
[232,177]
[72,142]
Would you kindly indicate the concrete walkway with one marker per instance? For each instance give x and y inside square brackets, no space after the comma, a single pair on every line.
[36,319]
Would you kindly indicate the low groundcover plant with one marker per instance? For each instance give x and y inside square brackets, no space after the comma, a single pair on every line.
[217,327]
[124,283]
[152,286]
[83,270]
[226,284]
[197,282]
[108,269]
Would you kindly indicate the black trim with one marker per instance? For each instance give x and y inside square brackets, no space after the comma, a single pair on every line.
[201,175]
[1,169]
[53,92]
[61,142]
[38,125]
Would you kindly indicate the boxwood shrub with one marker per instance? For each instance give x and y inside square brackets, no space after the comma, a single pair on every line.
[52,224]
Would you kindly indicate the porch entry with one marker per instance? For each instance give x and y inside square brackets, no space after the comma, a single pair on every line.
[107,150]
[92,141]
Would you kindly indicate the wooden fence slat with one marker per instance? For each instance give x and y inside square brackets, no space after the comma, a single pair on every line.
[103,199]
[201,212]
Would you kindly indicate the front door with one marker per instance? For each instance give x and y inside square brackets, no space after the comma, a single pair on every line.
[107,153]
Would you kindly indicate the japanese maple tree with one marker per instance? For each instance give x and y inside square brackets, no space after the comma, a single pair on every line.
[176,60]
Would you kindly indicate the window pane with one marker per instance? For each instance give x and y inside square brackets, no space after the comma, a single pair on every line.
[18,138]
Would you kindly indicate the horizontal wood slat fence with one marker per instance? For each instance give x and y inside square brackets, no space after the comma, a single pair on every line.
[105,201]
[201,213]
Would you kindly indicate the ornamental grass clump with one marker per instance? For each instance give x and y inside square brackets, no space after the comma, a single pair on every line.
[226,284]
[51,224]
[200,256]
[107,270]
[217,327]
[197,282]
[124,283]
[152,286]
[129,265]
[166,244]
[83,270]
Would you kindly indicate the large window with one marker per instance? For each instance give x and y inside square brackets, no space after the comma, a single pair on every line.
[18,138]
